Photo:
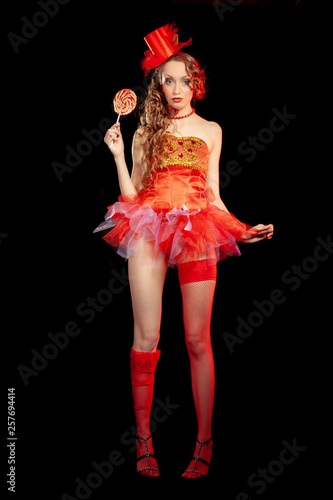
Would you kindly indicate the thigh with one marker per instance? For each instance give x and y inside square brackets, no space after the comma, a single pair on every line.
[146,279]
[197,307]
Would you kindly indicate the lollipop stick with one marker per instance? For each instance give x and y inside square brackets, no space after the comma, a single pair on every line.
[116,122]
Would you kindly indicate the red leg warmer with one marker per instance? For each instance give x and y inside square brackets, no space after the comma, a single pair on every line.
[143,365]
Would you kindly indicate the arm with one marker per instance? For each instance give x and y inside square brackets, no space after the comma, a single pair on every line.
[114,141]
[213,173]
[137,156]
[242,232]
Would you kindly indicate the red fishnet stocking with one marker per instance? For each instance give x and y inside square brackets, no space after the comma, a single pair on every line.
[197,310]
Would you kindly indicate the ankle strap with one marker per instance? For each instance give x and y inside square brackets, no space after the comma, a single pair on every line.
[142,439]
[203,442]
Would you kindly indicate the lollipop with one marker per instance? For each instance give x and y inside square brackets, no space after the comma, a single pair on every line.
[124,102]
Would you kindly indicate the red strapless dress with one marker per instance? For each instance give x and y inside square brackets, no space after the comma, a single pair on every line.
[175,212]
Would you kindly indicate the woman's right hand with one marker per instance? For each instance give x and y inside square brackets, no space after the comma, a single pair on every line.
[113,134]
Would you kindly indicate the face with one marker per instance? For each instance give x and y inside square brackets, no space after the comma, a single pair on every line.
[176,85]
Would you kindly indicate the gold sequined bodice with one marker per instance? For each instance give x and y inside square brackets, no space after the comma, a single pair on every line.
[179,174]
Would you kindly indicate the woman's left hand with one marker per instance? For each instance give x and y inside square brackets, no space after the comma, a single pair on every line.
[258,233]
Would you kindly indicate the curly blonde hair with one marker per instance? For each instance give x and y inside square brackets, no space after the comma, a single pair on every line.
[154,112]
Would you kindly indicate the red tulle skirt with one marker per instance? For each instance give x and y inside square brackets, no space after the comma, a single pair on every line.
[182,235]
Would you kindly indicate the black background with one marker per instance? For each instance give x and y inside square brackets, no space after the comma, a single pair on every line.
[259,56]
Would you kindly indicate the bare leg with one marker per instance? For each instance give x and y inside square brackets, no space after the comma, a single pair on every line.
[146,283]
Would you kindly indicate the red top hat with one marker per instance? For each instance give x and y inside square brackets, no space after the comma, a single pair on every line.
[163,43]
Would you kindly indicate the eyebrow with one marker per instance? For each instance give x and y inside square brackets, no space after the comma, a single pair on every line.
[169,76]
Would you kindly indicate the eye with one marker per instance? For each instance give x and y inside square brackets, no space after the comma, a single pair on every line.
[186,82]
[168,81]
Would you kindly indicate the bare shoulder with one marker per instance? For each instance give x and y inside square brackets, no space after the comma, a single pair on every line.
[213,128]
[140,133]
[139,137]
[211,132]
[209,127]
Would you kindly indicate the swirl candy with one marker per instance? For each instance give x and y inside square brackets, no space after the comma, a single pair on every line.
[124,102]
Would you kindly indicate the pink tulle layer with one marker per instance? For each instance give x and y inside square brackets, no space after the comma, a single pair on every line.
[182,235]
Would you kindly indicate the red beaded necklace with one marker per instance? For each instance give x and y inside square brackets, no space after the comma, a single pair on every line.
[181,117]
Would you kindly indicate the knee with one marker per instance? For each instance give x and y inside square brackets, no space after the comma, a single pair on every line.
[145,340]
[197,343]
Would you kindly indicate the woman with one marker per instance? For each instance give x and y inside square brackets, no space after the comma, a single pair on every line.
[170,213]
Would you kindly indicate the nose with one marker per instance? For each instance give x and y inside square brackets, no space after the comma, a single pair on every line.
[176,89]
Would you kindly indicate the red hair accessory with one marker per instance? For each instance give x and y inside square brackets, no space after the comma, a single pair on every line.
[163,43]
